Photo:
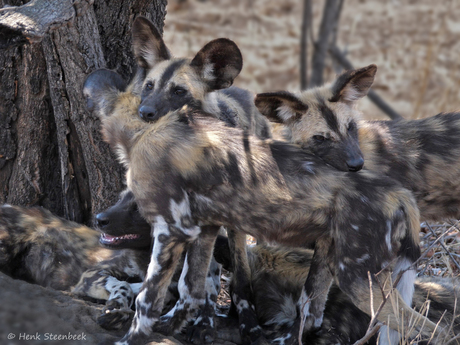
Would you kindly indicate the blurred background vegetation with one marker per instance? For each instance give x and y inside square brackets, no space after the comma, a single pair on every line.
[415,44]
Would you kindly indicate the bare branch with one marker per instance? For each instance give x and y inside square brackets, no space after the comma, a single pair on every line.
[306,24]
[335,30]
[30,22]
[373,96]
[322,43]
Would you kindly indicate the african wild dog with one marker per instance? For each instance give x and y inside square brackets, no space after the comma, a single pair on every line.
[203,82]
[277,277]
[278,274]
[423,155]
[41,248]
[188,168]
[125,215]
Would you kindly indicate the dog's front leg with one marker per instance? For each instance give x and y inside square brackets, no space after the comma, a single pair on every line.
[314,295]
[194,301]
[166,252]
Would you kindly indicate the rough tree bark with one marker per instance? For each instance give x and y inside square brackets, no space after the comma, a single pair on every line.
[51,152]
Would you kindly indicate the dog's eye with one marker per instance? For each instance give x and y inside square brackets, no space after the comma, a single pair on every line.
[179,91]
[149,85]
[351,126]
[319,138]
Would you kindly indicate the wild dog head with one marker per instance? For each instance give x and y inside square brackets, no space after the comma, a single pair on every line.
[122,225]
[170,83]
[323,120]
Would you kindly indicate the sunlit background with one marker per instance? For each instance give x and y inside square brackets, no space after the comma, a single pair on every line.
[415,43]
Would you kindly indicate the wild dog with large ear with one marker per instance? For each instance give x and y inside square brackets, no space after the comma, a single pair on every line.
[202,82]
[323,120]
[171,83]
[121,127]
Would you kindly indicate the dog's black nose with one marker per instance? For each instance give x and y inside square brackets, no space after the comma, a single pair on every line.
[355,164]
[102,220]
[147,113]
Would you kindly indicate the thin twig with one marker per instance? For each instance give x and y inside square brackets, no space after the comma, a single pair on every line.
[445,248]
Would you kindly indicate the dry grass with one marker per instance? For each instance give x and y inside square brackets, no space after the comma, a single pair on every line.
[443,258]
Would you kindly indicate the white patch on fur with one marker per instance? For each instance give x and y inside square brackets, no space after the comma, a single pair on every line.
[351,94]
[304,304]
[211,103]
[406,284]
[113,285]
[144,324]
[122,155]
[136,287]
[308,166]
[388,236]
[179,210]
[128,178]
[405,288]
[160,227]
[242,304]
[281,340]
[355,227]
[121,343]
[341,266]
[363,258]
[181,286]
[208,71]
[285,112]
[318,321]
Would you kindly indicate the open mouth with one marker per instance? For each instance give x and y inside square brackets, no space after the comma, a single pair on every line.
[112,241]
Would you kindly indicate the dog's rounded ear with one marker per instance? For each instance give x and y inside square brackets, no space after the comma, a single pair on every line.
[101,88]
[218,63]
[148,45]
[280,107]
[353,84]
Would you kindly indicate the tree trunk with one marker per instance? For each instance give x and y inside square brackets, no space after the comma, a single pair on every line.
[322,43]
[51,151]
[306,24]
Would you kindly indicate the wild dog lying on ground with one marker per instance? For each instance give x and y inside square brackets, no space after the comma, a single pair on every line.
[41,248]
[202,82]
[188,168]
[423,155]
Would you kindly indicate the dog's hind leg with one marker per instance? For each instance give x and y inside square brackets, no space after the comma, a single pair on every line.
[250,330]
